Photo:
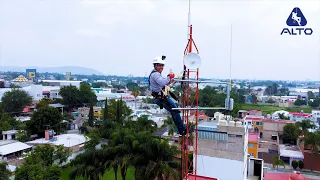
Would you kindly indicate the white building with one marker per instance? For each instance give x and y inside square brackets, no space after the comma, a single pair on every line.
[35,91]
[62,83]
[223,145]
[316,116]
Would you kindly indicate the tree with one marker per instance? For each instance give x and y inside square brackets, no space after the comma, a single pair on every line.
[300,102]
[39,164]
[61,154]
[147,165]
[172,128]
[290,133]
[277,162]
[305,125]
[105,110]
[15,100]
[282,116]
[312,142]
[135,93]
[90,164]
[300,164]
[70,96]
[131,86]
[44,118]
[87,96]
[4,172]
[94,137]
[144,124]
[7,122]
[44,102]
[314,103]
[90,120]
[254,99]
[294,164]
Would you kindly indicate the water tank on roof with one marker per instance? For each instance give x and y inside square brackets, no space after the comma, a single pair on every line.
[222,122]
[229,104]
[232,123]
[238,124]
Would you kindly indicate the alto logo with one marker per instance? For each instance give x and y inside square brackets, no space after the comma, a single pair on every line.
[296,18]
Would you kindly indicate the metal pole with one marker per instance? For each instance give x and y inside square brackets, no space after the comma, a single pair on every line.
[199,81]
[201,108]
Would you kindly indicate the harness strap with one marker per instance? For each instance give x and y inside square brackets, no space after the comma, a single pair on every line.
[153,71]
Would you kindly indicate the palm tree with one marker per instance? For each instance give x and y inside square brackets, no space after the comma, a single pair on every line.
[153,158]
[135,93]
[4,172]
[277,161]
[170,125]
[144,124]
[312,140]
[305,125]
[120,147]
[90,164]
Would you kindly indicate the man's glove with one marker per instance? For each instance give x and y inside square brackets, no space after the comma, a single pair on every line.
[171,75]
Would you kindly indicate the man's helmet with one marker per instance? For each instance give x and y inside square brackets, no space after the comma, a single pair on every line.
[159,60]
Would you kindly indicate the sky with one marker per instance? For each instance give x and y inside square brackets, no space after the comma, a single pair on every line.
[123,37]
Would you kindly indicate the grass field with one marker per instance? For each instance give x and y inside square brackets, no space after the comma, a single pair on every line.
[108,175]
[270,109]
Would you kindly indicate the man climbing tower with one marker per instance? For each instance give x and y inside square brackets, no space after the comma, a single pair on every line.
[157,84]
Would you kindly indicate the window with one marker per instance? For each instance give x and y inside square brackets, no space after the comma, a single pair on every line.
[250,145]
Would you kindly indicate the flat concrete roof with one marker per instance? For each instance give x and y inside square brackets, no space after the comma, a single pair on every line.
[13,147]
[290,151]
[67,140]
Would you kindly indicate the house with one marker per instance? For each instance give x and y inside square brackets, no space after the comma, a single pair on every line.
[315,116]
[11,149]
[254,122]
[288,153]
[75,142]
[220,145]
[299,116]
[253,141]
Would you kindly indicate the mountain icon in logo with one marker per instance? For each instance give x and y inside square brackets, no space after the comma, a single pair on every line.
[296,18]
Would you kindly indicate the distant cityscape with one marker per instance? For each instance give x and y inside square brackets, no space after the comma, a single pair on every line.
[269,127]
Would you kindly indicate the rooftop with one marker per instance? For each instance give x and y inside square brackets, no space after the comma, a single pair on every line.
[300,114]
[253,137]
[62,81]
[67,140]
[193,177]
[13,147]
[208,124]
[290,151]
[284,176]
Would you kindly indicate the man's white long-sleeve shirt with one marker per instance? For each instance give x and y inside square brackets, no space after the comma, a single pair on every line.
[157,82]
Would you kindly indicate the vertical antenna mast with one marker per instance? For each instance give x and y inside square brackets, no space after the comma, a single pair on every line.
[229,103]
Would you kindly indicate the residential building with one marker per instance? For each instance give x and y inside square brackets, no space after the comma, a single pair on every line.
[75,142]
[61,83]
[12,149]
[316,116]
[33,90]
[253,141]
[273,127]
[254,122]
[288,153]
[222,143]
[299,116]
[9,135]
